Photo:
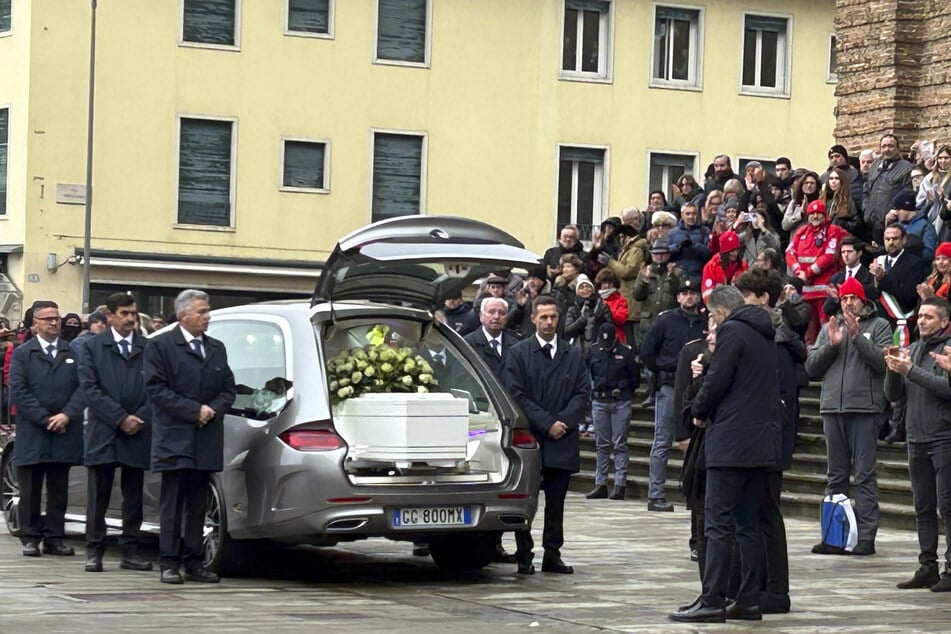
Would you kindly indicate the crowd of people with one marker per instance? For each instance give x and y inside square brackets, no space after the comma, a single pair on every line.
[839,275]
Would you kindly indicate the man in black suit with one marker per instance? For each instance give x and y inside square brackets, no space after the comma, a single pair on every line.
[548,379]
[852,251]
[190,388]
[44,386]
[897,275]
[118,433]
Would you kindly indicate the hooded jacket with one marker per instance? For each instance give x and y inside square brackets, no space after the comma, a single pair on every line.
[815,251]
[612,367]
[740,394]
[852,372]
[928,416]
[626,266]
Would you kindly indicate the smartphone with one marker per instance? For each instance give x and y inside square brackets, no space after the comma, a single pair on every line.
[749,217]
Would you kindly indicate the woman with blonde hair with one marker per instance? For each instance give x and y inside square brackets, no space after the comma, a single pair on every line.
[935,194]
[837,196]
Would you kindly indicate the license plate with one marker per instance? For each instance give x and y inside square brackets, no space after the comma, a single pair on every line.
[437,516]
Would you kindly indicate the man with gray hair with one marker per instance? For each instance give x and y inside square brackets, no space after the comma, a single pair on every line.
[190,388]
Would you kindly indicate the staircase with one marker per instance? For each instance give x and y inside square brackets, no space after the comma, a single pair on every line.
[803,485]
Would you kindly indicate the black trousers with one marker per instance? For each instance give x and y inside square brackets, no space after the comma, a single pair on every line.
[555,485]
[773,527]
[99,482]
[183,503]
[929,465]
[31,477]
[732,508]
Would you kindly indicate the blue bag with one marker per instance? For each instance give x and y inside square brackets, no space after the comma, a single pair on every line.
[838,522]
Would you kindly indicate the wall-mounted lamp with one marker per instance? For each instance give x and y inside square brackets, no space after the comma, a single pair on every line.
[51,262]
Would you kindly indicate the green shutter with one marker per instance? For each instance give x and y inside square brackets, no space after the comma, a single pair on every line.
[397,175]
[401,30]
[5,15]
[4,127]
[304,164]
[308,16]
[582,154]
[209,22]
[204,172]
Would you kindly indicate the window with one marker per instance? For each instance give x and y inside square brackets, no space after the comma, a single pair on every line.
[205,165]
[304,165]
[212,22]
[666,169]
[397,174]
[586,52]
[676,47]
[257,354]
[309,17]
[4,136]
[765,55]
[6,6]
[581,188]
[401,31]
[832,76]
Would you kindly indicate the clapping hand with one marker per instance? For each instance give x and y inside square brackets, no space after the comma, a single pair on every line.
[900,364]
[696,366]
[836,332]
[851,324]
[943,360]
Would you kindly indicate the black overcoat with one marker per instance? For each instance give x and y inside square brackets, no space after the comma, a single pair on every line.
[548,390]
[487,353]
[178,382]
[114,388]
[739,397]
[41,387]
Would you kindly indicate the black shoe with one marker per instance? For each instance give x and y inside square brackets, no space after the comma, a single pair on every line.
[134,562]
[686,607]
[421,550]
[202,575]
[599,492]
[648,403]
[897,434]
[699,613]
[737,612]
[694,555]
[823,548]
[57,547]
[502,557]
[770,603]
[659,505]
[617,493]
[556,566]
[171,575]
[31,549]
[863,549]
[94,563]
[526,568]
[925,577]
[944,584]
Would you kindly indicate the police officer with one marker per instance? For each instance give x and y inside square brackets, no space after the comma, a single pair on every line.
[659,353]
[614,377]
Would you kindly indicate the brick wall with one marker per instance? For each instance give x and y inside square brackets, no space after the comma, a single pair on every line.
[894,71]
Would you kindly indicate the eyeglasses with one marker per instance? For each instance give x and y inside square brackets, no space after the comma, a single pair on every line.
[49,320]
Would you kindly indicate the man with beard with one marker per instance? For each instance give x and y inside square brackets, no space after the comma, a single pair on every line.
[739,399]
[888,176]
[722,172]
[848,358]
[547,378]
[659,353]
[914,373]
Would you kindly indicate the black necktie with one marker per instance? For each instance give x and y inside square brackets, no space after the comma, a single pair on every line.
[51,351]
[848,274]
[496,346]
[888,264]
[124,348]
[549,350]
[196,346]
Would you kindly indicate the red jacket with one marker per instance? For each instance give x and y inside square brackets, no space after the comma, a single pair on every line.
[714,275]
[617,304]
[818,263]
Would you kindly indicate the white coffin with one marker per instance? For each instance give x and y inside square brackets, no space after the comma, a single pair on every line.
[404,427]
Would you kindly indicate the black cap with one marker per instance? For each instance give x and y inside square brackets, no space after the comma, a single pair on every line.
[905,201]
[660,246]
[496,279]
[626,230]
[688,286]
[839,149]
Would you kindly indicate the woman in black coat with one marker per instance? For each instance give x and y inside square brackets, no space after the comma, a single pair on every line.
[585,315]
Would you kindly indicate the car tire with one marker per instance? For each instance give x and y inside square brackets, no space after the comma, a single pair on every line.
[466,551]
[222,554]
[10,492]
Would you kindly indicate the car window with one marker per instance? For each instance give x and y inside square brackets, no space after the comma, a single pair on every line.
[257,355]
[402,355]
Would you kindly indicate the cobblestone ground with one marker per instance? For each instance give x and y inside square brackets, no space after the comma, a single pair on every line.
[631,569]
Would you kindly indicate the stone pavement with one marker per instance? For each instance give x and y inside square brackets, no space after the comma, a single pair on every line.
[631,569]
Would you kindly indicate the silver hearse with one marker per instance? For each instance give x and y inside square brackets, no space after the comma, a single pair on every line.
[296,474]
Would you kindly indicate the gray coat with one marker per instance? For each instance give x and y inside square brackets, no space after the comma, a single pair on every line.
[115,388]
[41,387]
[880,190]
[852,373]
[928,417]
[178,382]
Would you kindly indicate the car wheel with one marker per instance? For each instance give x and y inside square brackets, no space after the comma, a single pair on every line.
[10,493]
[224,555]
[467,551]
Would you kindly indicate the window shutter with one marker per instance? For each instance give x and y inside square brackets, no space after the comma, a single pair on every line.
[204,172]
[308,16]
[5,15]
[397,170]
[4,127]
[670,13]
[209,22]
[765,23]
[588,5]
[304,164]
[582,154]
[401,30]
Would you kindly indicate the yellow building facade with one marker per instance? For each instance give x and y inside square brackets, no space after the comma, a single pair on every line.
[236,140]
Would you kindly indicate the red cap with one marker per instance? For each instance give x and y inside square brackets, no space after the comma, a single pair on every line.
[943,249]
[729,241]
[816,207]
[852,286]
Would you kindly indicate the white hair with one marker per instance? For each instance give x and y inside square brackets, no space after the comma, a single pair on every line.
[488,301]
[867,153]
[186,298]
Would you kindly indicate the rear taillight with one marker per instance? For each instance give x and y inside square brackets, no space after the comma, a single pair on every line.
[524,439]
[312,439]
